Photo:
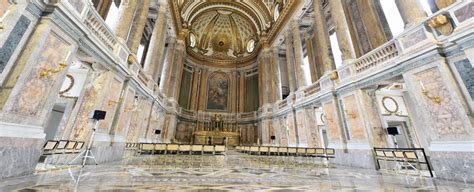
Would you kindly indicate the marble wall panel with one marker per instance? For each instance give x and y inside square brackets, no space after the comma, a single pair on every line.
[312,128]
[446,117]
[138,121]
[378,135]
[356,126]
[466,71]
[465,12]
[331,124]
[126,112]
[292,134]
[301,127]
[35,90]
[248,134]
[13,40]
[413,38]
[184,132]
[111,93]
[453,165]
[156,122]
[4,4]
[92,98]
[283,137]
[19,156]
[361,158]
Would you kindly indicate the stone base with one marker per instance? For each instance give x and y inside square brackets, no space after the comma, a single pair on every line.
[19,156]
[103,152]
[360,158]
[453,166]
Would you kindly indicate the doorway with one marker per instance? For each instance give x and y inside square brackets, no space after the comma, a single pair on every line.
[401,140]
[52,125]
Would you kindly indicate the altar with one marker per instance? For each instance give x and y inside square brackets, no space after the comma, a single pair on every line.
[216,132]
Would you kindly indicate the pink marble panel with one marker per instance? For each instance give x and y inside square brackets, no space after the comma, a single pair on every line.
[112,95]
[290,123]
[355,123]
[90,101]
[4,4]
[330,119]
[127,111]
[445,116]
[36,90]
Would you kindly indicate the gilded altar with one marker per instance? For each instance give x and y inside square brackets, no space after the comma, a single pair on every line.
[216,132]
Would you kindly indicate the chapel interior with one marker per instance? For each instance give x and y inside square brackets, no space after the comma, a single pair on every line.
[231,95]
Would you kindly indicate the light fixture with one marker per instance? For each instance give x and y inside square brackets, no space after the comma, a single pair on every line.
[436,99]
[350,115]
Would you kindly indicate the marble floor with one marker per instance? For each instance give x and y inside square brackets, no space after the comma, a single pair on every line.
[233,172]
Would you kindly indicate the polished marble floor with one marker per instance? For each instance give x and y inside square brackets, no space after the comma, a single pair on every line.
[234,172]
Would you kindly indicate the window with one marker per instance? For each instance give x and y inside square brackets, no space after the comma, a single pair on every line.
[111,19]
[192,40]
[307,72]
[335,50]
[394,19]
[250,45]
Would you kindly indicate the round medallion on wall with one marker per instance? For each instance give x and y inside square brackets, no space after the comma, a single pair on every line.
[322,117]
[390,104]
[67,85]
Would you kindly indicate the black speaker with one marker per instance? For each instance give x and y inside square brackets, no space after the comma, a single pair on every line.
[97,115]
[272,137]
[392,131]
[157,131]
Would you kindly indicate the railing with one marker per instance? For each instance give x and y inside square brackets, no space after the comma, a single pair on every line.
[96,24]
[283,104]
[404,157]
[374,58]
[312,89]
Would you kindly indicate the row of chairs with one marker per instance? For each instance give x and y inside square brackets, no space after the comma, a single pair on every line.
[288,151]
[62,147]
[404,159]
[166,148]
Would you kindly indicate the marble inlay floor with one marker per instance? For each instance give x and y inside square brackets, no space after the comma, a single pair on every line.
[233,172]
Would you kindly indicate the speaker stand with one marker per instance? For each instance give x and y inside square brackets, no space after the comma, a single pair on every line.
[88,152]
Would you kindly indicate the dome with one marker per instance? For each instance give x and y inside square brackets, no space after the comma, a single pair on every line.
[222,35]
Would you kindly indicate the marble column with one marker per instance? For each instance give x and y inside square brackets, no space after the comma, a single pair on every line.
[342,31]
[167,67]
[261,85]
[290,60]
[178,65]
[322,34]
[411,12]
[156,49]
[138,25]
[125,18]
[311,58]
[267,76]
[276,75]
[301,79]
